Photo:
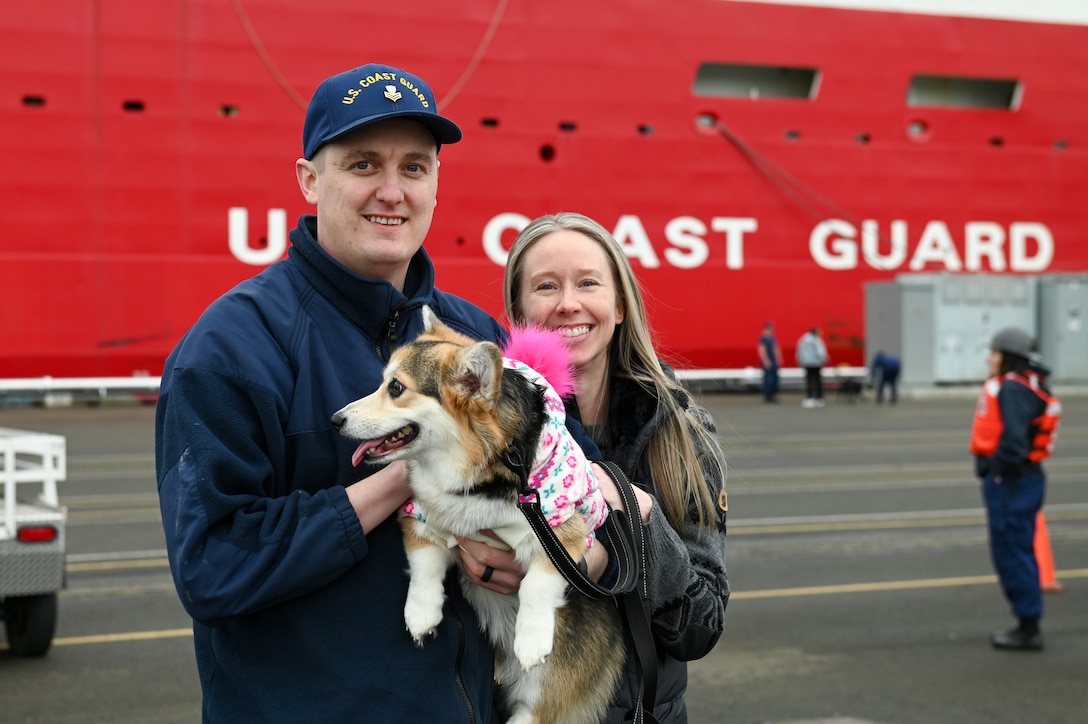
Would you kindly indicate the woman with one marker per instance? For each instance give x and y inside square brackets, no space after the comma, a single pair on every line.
[1015,422]
[812,356]
[567,272]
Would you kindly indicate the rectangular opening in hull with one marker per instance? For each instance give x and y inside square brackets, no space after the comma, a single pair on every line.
[732,80]
[947,91]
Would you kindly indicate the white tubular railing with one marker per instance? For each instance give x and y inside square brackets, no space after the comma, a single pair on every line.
[61,388]
[34,458]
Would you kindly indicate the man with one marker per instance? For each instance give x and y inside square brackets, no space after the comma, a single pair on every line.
[770,357]
[885,373]
[292,570]
[812,356]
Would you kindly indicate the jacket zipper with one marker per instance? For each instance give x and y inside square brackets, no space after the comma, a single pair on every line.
[389,339]
[457,668]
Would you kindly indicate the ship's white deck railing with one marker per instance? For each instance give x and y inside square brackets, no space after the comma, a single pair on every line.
[753,376]
[33,458]
[60,391]
[65,390]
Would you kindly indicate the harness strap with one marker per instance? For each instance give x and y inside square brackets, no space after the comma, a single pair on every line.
[630,592]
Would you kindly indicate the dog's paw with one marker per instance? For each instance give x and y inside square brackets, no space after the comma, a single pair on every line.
[421,638]
[521,716]
[532,645]
[422,620]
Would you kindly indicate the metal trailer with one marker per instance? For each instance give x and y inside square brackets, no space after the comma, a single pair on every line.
[31,538]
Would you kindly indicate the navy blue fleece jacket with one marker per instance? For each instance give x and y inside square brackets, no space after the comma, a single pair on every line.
[297,615]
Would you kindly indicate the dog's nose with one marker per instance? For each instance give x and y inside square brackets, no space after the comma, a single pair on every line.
[338,420]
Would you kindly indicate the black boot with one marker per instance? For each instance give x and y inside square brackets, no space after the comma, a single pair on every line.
[1025,637]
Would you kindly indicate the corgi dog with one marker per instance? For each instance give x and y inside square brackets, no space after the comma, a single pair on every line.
[457,411]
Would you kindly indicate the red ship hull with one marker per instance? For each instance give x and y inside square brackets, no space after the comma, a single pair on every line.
[137,135]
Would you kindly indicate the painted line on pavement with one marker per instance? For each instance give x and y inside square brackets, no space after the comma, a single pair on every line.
[736,595]
[886,586]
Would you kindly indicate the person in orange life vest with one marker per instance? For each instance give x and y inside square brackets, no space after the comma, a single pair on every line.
[1044,555]
[1015,421]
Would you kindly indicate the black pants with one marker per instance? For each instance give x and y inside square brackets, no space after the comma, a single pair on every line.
[890,380]
[814,384]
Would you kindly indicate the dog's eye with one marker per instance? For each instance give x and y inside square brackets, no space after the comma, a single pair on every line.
[395,388]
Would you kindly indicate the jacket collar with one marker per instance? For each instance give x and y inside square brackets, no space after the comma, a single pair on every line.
[367,303]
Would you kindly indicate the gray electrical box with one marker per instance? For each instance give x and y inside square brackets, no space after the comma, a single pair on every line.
[1063,339]
[941,325]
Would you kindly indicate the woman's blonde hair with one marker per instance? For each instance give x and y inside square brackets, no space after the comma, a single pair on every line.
[674,455]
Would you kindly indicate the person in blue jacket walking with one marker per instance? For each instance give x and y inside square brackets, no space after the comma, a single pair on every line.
[289,559]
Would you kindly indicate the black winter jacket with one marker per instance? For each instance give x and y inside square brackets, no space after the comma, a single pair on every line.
[687,578]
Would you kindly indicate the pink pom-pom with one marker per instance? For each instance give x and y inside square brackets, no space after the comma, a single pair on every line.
[545,351]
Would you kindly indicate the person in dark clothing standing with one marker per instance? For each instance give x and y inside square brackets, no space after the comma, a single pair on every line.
[1016,420]
[288,558]
[770,358]
[884,372]
[567,272]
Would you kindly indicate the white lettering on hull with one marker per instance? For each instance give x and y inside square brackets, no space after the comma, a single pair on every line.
[834,244]
[687,249]
[238,237]
[1030,246]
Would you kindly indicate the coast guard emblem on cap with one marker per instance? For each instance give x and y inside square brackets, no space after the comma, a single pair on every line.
[392,93]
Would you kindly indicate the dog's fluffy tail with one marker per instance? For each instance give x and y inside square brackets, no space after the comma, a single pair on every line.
[545,351]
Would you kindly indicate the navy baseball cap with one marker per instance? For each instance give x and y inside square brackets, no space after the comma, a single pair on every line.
[368,94]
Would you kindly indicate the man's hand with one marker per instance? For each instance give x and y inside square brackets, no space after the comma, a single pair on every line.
[378,496]
[478,557]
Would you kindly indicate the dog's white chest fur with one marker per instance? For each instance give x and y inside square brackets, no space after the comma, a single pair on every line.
[439,435]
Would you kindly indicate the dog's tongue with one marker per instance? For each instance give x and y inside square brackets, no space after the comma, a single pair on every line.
[360,451]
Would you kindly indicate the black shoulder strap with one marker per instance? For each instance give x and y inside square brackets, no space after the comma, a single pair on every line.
[636,611]
[628,540]
[618,526]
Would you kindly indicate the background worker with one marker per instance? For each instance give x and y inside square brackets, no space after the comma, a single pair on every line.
[812,356]
[1015,421]
[884,372]
[1044,554]
[770,358]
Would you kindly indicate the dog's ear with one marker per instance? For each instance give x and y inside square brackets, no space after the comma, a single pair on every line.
[430,320]
[478,372]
